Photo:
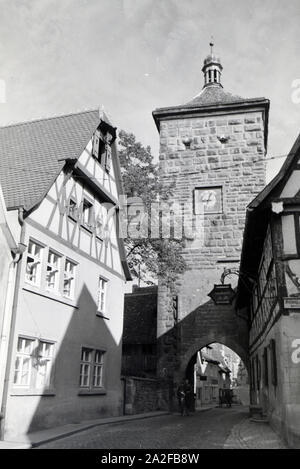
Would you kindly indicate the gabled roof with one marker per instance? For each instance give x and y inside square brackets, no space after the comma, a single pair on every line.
[33,153]
[257,220]
[280,177]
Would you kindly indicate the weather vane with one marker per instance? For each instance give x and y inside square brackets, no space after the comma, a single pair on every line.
[211,45]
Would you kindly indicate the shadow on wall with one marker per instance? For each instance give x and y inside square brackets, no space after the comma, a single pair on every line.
[65,401]
[208,323]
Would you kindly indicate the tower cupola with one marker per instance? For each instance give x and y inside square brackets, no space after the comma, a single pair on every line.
[212,69]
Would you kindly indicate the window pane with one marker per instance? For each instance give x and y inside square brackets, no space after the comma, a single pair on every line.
[27,343]
[25,371]
[98,356]
[86,355]
[84,374]
[53,271]
[102,286]
[69,279]
[20,344]
[33,262]
[97,376]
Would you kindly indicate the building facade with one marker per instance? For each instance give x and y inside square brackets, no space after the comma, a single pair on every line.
[10,253]
[61,181]
[212,374]
[212,152]
[270,291]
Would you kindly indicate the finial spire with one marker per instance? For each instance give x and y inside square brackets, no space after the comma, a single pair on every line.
[212,67]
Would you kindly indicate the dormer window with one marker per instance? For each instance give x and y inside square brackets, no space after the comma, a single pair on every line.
[98,145]
[102,148]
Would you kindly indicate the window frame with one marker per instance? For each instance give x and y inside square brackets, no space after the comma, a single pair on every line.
[103,311]
[56,292]
[21,355]
[93,369]
[32,387]
[71,296]
[58,271]
[83,363]
[39,262]
[71,214]
[87,224]
[98,365]
[48,359]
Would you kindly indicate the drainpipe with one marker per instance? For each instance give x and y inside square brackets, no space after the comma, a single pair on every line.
[18,252]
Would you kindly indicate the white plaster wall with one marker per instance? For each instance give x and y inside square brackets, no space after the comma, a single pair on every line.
[70,328]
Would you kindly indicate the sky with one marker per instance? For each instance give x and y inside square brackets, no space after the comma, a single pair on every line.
[132,56]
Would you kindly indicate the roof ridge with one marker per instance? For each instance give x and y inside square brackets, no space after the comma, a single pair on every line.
[41,119]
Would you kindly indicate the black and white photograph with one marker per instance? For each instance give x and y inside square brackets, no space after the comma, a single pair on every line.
[149,228]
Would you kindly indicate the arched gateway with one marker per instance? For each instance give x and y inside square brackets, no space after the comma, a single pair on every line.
[212,152]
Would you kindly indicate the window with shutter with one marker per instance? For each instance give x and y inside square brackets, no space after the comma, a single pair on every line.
[273,362]
[258,373]
[96,144]
[108,158]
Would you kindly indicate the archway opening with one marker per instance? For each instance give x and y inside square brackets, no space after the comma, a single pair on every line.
[212,370]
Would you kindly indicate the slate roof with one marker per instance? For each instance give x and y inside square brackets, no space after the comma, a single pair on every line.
[140,313]
[214,95]
[33,153]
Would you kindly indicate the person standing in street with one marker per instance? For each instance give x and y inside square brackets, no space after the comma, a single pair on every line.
[181,398]
[187,396]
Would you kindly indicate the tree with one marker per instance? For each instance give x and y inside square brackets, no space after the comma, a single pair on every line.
[148,257]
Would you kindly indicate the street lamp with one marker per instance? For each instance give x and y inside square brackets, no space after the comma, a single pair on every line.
[223,294]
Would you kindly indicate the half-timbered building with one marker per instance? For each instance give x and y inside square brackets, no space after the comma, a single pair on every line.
[269,288]
[61,182]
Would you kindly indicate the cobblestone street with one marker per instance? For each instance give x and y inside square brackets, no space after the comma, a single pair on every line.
[211,429]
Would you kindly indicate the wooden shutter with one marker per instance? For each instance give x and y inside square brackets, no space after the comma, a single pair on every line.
[108,158]
[96,142]
[266,370]
[274,362]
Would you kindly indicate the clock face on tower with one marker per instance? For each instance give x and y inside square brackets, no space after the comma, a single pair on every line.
[208,200]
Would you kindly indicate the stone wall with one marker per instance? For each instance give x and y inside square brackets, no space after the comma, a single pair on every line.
[146,395]
[238,167]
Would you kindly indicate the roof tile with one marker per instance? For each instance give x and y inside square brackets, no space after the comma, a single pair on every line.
[33,153]
[214,95]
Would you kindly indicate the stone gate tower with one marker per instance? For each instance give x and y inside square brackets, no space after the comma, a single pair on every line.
[213,150]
